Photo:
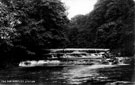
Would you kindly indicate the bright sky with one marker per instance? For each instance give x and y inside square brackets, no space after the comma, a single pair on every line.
[76,7]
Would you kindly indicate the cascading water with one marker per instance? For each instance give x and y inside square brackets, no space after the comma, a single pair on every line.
[123,60]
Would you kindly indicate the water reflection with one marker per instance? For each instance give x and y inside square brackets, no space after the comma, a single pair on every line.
[76,75]
[81,74]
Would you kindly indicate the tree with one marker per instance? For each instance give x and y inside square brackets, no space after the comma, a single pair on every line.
[39,24]
[8,32]
[117,30]
[109,25]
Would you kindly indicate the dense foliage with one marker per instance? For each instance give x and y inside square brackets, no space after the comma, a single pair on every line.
[109,25]
[29,26]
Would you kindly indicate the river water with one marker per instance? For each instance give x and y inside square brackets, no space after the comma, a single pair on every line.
[73,75]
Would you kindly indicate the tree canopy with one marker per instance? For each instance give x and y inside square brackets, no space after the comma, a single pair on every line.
[109,25]
[29,26]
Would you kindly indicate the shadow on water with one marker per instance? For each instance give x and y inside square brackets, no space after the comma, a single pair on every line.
[74,75]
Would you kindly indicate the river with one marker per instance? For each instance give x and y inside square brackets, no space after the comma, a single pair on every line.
[73,75]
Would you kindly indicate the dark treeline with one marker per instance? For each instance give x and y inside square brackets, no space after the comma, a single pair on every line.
[109,25]
[27,27]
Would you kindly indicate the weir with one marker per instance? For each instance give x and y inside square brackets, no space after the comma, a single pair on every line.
[77,56]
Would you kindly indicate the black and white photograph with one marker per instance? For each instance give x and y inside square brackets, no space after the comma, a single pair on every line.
[67,42]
